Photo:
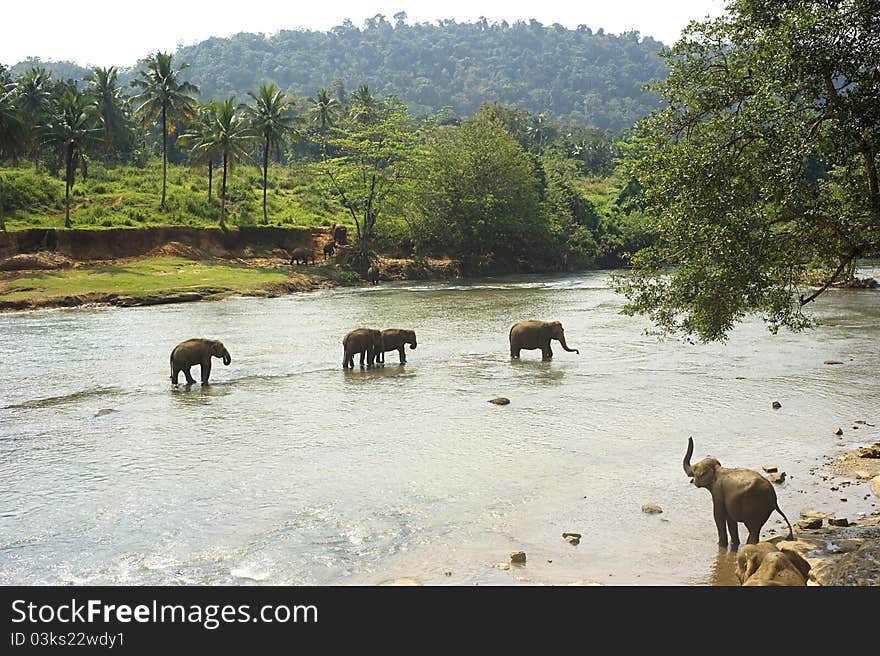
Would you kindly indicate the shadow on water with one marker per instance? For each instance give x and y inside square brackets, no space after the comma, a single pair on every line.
[538,370]
[53,401]
[724,569]
[198,394]
[388,370]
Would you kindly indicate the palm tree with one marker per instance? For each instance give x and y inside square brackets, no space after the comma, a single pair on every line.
[271,121]
[164,98]
[105,92]
[12,133]
[324,111]
[34,90]
[201,141]
[231,138]
[73,127]
[364,105]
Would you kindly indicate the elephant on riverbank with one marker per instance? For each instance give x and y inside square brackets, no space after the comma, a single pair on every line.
[738,495]
[396,339]
[302,255]
[537,335]
[373,274]
[365,341]
[197,351]
[329,249]
[340,234]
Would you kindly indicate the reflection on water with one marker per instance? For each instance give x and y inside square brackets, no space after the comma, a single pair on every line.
[287,469]
[724,569]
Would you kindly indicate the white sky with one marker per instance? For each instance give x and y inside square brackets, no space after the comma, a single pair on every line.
[119,32]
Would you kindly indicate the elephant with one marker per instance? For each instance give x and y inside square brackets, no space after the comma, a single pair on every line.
[365,341]
[196,351]
[395,339]
[537,335]
[340,234]
[329,249]
[738,495]
[304,255]
[373,274]
[765,564]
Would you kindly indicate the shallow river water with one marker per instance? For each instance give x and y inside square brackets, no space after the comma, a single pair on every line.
[288,470]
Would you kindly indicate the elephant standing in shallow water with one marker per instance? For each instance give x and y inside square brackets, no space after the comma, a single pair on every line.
[196,351]
[395,339]
[365,341]
[738,495]
[537,335]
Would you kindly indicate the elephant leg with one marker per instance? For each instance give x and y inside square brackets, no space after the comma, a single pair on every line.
[402,354]
[514,352]
[720,521]
[189,379]
[754,533]
[175,374]
[363,355]
[546,352]
[733,529]
[206,371]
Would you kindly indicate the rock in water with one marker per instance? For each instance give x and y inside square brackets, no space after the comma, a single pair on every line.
[518,557]
[838,521]
[833,362]
[776,405]
[838,431]
[813,522]
[104,411]
[500,401]
[651,509]
[770,469]
[572,540]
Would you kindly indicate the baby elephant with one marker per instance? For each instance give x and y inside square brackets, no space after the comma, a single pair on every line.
[765,564]
[197,351]
[366,341]
[395,339]
[303,255]
[738,495]
[329,249]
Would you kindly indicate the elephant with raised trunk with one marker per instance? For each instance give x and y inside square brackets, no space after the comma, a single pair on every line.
[197,351]
[537,335]
[366,341]
[738,495]
[395,339]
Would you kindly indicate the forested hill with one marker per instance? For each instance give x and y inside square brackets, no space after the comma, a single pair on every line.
[575,75]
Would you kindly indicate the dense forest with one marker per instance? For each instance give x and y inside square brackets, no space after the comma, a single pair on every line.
[578,76]
[502,189]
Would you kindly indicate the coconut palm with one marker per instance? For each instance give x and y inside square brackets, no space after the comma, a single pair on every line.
[271,121]
[200,139]
[73,127]
[164,98]
[12,134]
[232,135]
[324,111]
[364,106]
[105,92]
[34,91]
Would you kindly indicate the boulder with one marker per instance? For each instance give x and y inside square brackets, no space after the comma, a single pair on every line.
[856,568]
[870,451]
[651,509]
[776,405]
[770,469]
[500,401]
[810,523]
[518,557]
[833,362]
[838,431]
[875,486]
[838,521]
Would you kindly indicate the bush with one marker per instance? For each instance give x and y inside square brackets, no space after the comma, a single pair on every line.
[27,190]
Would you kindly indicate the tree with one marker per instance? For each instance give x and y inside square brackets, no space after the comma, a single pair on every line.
[373,155]
[324,112]
[73,127]
[761,168]
[105,92]
[200,139]
[34,90]
[364,106]
[478,194]
[164,98]
[232,136]
[270,120]
[12,132]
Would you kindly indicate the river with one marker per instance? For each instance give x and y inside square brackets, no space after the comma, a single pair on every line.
[288,470]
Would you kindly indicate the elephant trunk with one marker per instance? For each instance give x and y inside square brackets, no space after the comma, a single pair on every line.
[565,346]
[687,458]
[412,345]
[226,358]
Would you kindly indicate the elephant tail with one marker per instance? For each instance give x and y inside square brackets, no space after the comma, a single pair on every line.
[790,532]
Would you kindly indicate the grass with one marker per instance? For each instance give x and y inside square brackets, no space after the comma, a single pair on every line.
[128,196]
[143,277]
